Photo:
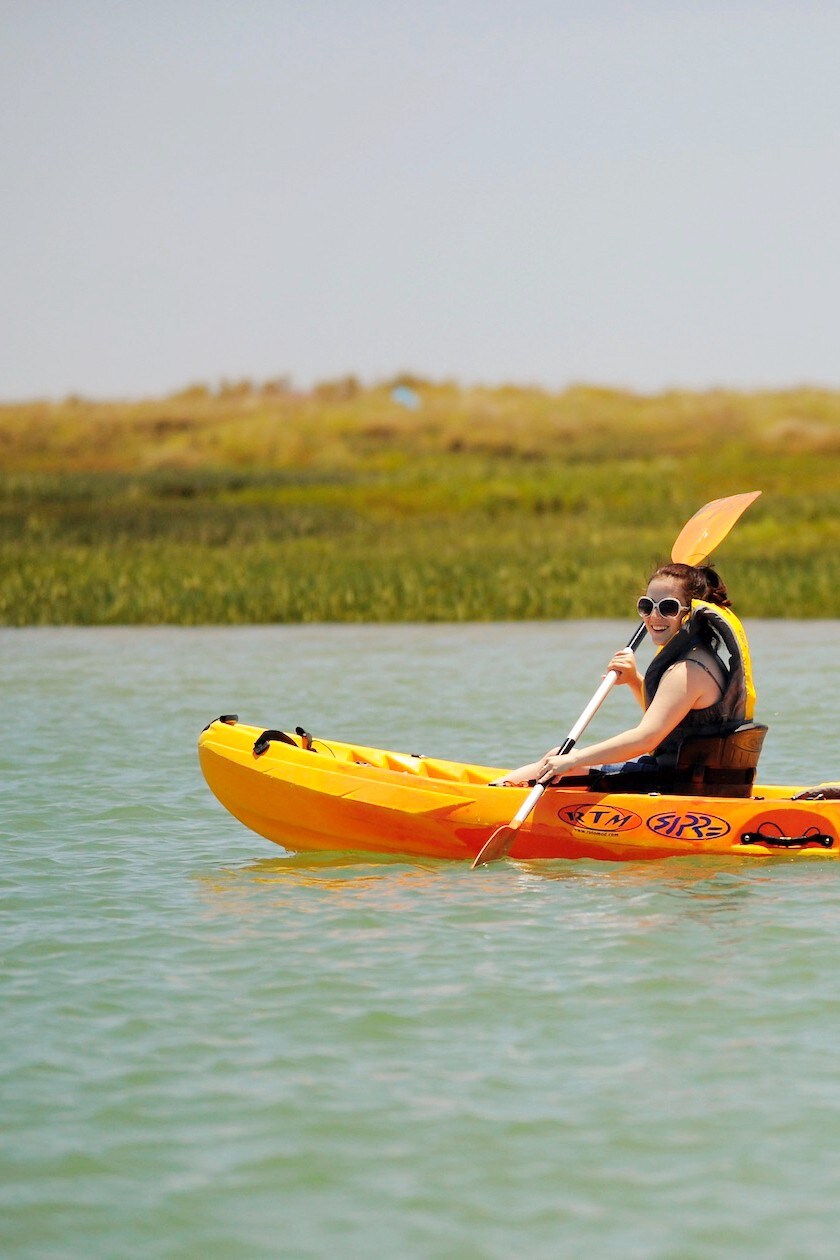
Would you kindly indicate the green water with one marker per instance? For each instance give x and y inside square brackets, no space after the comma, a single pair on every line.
[213,1049]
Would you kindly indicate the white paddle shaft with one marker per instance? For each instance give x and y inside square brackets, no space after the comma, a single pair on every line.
[567,746]
[577,730]
[590,710]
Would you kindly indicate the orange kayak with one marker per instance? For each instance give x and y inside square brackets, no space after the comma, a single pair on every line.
[338,797]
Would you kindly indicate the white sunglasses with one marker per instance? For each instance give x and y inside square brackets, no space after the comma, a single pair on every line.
[667,607]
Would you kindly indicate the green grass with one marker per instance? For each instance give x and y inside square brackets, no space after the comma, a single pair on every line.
[262,505]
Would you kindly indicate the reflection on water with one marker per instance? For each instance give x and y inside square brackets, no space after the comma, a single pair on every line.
[344,874]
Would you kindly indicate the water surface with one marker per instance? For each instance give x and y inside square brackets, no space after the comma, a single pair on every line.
[215,1049]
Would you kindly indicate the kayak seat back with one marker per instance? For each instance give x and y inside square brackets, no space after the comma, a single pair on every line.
[719,765]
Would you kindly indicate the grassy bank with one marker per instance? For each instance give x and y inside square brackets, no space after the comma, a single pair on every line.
[248,505]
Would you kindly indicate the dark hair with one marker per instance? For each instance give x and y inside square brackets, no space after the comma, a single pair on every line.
[698,582]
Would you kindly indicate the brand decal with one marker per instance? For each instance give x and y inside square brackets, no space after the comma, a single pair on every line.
[688,824]
[603,819]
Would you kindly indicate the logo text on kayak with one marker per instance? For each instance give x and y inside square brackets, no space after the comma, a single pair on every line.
[690,825]
[601,818]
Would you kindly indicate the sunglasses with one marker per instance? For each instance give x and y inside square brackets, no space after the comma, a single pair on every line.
[668,607]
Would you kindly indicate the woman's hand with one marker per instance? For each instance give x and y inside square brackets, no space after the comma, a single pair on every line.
[624,665]
[554,767]
[549,767]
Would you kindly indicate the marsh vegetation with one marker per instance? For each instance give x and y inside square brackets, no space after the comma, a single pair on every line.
[254,504]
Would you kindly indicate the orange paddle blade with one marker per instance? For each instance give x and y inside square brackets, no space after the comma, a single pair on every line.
[497,846]
[708,527]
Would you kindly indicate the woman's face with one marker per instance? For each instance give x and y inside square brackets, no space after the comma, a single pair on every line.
[662,627]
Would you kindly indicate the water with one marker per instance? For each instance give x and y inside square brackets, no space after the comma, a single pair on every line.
[213,1049]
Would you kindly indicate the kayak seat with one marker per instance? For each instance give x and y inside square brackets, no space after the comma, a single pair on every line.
[719,765]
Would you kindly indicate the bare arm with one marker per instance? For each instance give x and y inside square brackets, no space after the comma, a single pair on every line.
[680,690]
[623,663]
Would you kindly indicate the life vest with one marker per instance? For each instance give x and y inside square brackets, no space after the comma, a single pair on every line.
[719,631]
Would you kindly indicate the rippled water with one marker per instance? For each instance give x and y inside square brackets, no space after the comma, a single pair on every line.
[214,1049]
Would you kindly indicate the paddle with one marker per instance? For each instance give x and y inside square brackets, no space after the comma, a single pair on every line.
[697,540]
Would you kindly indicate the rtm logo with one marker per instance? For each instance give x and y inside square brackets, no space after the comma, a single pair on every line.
[605,819]
[688,826]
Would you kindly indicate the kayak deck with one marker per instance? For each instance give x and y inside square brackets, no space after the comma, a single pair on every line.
[340,797]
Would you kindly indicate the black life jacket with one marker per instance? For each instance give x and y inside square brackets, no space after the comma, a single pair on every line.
[718,631]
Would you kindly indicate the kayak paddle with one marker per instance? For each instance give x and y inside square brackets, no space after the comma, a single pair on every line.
[697,540]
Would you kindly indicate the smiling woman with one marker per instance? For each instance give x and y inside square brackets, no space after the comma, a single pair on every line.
[699,682]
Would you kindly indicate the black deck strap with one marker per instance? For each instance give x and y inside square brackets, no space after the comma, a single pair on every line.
[229,719]
[305,738]
[631,782]
[812,836]
[262,742]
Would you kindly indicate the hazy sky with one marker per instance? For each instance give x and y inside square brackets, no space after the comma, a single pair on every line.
[636,194]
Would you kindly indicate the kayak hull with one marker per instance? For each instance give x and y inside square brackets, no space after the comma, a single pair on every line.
[339,797]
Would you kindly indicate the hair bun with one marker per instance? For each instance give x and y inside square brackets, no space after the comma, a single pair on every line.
[716,592]
[699,582]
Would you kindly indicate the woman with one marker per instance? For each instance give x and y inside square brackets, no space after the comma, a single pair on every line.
[698,683]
